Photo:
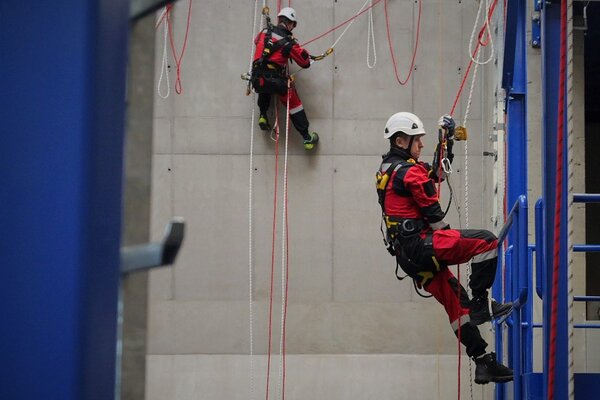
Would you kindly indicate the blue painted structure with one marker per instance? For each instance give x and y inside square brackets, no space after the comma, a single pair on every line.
[527,384]
[514,83]
[550,22]
[61,151]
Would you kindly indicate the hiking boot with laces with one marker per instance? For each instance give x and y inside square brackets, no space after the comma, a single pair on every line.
[263,123]
[489,370]
[310,143]
[483,310]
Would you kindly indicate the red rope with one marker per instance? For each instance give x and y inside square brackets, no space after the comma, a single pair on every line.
[481,31]
[459,326]
[412,63]
[274,233]
[342,24]
[178,59]
[557,204]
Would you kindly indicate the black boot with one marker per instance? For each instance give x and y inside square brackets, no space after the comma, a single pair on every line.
[489,370]
[481,310]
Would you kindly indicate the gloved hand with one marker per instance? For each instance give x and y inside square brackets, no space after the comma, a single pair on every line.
[447,123]
[449,153]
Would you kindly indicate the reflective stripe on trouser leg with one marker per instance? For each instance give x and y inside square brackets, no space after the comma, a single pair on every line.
[443,286]
[471,338]
[297,114]
[456,246]
[300,122]
[446,289]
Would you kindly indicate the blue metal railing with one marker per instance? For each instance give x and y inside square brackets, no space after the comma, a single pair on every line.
[518,260]
[586,198]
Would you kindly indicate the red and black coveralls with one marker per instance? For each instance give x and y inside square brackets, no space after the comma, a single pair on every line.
[425,253]
[278,62]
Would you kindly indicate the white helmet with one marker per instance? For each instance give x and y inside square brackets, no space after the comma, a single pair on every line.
[405,122]
[289,13]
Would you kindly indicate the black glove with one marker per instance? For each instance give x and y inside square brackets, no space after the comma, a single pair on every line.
[435,165]
[449,145]
[447,123]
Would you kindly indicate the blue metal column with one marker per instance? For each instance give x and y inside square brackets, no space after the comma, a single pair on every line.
[514,82]
[550,80]
[61,148]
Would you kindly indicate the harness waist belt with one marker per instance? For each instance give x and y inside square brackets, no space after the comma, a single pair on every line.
[405,226]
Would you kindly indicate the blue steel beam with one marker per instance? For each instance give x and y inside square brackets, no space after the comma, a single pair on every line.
[514,83]
[550,79]
[63,93]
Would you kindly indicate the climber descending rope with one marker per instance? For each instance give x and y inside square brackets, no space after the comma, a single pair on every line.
[284,251]
[269,75]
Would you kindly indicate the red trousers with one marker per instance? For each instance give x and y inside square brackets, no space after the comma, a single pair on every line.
[453,246]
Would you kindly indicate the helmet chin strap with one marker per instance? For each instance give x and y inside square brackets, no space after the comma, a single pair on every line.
[410,143]
[408,148]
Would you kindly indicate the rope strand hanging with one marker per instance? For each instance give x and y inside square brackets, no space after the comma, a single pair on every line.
[416,47]
[166,19]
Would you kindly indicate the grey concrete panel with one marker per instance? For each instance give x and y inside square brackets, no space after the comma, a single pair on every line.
[222,327]
[361,92]
[364,270]
[213,263]
[438,74]
[360,137]
[211,135]
[592,358]
[328,376]
[162,136]
[315,85]
[161,195]
[310,228]
[218,53]
[160,280]
[212,193]
[375,94]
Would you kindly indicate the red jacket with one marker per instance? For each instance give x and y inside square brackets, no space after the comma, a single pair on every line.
[410,192]
[283,54]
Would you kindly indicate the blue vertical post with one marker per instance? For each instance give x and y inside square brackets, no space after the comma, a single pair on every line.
[61,149]
[550,80]
[514,82]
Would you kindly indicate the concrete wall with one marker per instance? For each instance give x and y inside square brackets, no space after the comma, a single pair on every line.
[353,330]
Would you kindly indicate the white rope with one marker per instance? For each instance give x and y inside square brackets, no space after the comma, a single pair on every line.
[283,245]
[250,266]
[250,193]
[350,24]
[371,39]
[253,46]
[489,33]
[570,182]
[164,65]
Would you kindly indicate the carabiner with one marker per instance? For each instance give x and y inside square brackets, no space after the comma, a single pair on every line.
[446,166]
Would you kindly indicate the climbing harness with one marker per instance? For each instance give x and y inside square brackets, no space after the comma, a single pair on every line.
[407,230]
